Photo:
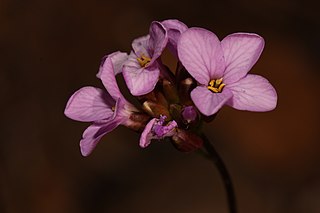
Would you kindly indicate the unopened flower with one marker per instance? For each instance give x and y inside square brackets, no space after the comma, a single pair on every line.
[141,71]
[189,114]
[105,109]
[221,68]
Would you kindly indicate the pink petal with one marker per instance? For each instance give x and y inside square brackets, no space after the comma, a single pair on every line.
[146,135]
[111,67]
[174,29]
[93,134]
[201,54]
[208,102]
[158,40]
[89,104]
[141,45]
[174,24]
[140,81]
[253,93]
[241,52]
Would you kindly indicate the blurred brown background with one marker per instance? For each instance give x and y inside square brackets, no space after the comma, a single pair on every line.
[50,48]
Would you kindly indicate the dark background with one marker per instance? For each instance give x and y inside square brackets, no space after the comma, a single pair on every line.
[50,48]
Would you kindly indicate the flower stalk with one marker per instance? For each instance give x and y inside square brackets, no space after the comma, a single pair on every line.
[218,162]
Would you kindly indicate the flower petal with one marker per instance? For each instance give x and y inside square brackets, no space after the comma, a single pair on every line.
[208,102]
[174,29]
[110,68]
[241,52]
[140,81]
[92,135]
[147,135]
[253,93]
[141,45]
[89,104]
[174,24]
[158,40]
[201,54]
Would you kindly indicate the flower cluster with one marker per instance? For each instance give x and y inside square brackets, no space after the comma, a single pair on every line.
[172,104]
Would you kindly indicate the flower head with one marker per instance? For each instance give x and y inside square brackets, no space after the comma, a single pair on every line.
[221,68]
[172,105]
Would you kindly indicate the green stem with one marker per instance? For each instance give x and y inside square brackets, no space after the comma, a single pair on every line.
[223,172]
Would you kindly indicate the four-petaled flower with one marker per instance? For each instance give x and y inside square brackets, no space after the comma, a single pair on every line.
[141,71]
[106,109]
[221,70]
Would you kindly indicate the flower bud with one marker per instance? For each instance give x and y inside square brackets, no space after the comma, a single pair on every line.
[170,91]
[186,141]
[175,111]
[154,96]
[185,88]
[155,109]
[189,114]
[137,121]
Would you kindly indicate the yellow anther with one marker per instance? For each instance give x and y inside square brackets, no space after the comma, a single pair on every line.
[143,60]
[216,85]
[211,83]
[113,108]
[221,87]
[213,89]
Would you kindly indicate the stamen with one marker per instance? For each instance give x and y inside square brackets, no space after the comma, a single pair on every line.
[213,89]
[221,87]
[113,108]
[143,60]
[211,83]
[216,85]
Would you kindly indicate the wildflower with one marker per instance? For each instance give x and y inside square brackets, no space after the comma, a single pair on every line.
[221,68]
[105,109]
[141,71]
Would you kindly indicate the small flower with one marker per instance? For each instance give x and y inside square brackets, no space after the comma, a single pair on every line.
[221,68]
[106,109]
[141,71]
[157,129]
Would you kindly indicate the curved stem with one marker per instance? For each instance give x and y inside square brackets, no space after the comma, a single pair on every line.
[223,172]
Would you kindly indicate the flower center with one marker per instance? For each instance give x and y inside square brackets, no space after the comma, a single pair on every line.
[143,60]
[216,85]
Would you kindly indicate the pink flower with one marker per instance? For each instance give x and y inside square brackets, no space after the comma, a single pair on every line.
[141,71]
[221,68]
[105,109]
